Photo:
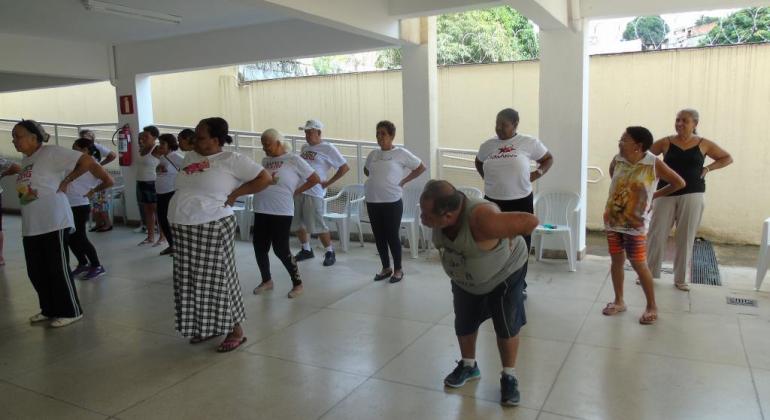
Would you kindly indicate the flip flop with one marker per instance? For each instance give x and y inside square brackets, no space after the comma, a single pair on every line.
[648,318]
[230,344]
[198,339]
[396,279]
[612,309]
[145,242]
[103,229]
[383,275]
[682,286]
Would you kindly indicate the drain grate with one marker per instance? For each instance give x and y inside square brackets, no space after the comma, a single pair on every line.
[705,269]
[732,300]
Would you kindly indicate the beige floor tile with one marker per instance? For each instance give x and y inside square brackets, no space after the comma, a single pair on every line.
[20,404]
[709,338]
[389,401]
[427,362]
[122,371]
[598,383]
[713,300]
[756,338]
[544,415]
[248,386]
[345,341]
[585,284]
[667,297]
[762,381]
[411,299]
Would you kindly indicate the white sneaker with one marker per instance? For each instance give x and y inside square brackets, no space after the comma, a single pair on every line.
[141,229]
[38,317]
[63,322]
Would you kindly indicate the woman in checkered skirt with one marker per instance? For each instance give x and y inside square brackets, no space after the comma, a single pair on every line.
[207,294]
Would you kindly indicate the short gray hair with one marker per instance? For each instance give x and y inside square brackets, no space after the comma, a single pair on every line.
[693,113]
[273,134]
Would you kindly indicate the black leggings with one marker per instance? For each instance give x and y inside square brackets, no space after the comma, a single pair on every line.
[525,204]
[386,227]
[78,241]
[48,269]
[274,230]
[163,200]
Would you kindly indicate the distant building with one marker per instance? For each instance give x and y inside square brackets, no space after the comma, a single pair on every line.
[689,36]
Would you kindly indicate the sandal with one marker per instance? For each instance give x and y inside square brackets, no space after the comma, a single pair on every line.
[383,275]
[682,286]
[613,309]
[648,318]
[198,339]
[230,344]
[263,287]
[396,279]
[103,229]
[145,242]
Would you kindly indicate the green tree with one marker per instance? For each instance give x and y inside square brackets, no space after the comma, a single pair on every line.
[743,26]
[479,36]
[652,30]
[706,19]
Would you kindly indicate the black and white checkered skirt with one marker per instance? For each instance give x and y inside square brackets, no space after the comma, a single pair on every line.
[207,294]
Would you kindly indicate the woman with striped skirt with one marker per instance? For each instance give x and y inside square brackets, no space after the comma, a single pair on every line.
[207,294]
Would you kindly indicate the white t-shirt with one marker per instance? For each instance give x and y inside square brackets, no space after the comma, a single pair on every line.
[386,170]
[288,171]
[145,167]
[78,188]
[43,209]
[4,165]
[103,151]
[506,165]
[166,171]
[322,157]
[203,184]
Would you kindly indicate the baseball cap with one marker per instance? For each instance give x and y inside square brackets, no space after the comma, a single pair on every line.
[311,125]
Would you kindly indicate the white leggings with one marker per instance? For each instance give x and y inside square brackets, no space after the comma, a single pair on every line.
[686,210]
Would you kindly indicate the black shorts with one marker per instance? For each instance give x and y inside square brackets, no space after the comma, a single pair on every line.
[504,304]
[145,192]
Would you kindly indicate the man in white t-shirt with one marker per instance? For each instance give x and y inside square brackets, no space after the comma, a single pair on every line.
[309,206]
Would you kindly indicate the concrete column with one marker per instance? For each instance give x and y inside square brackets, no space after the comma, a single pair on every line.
[138,87]
[564,115]
[420,96]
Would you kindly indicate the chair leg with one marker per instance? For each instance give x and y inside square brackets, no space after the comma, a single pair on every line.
[570,250]
[413,244]
[539,248]
[360,233]
[344,232]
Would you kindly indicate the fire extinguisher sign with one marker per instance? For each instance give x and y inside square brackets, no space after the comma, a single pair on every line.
[126,104]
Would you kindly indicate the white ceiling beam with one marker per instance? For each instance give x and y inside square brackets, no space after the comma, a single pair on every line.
[50,57]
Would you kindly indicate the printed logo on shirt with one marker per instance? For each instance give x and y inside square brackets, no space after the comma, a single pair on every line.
[309,155]
[23,186]
[161,169]
[197,167]
[505,152]
[454,265]
[274,165]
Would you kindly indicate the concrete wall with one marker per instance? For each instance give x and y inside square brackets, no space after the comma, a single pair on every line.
[725,84]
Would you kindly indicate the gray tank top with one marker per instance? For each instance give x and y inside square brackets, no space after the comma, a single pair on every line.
[475,270]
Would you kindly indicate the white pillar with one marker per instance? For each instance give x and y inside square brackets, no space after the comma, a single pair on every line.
[138,87]
[564,115]
[419,77]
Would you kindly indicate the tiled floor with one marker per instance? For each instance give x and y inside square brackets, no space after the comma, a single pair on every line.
[352,349]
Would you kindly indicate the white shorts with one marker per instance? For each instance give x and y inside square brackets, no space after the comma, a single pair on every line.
[308,214]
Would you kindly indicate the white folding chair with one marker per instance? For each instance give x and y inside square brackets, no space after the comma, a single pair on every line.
[244,215]
[764,254]
[343,209]
[410,220]
[471,192]
[558,213]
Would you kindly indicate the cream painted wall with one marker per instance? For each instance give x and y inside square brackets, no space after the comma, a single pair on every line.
[725,84]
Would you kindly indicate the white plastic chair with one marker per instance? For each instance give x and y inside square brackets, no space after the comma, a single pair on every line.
[345,208]
[410,220]
[244,215]
[471,192]
[764,254]
[558,212]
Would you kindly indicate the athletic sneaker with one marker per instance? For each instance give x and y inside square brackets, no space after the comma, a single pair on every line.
[94,273]
[80,269]
[509,390]
[329,258]
[304,255]
[63,322]
[38,317]
[167,251]
[462,374]
[141,229]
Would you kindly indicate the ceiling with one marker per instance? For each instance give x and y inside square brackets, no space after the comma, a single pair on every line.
[69,20]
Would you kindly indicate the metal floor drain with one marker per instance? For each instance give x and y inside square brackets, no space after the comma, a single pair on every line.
[731,300]
[705,269]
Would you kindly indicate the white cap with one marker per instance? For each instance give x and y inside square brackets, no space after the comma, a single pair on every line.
[312,125]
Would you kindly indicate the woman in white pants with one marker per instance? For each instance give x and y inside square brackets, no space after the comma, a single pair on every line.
[685,153]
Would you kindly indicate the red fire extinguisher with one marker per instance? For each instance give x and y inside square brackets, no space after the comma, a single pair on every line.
[124,145]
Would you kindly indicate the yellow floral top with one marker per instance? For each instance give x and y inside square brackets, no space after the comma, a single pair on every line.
[631,190]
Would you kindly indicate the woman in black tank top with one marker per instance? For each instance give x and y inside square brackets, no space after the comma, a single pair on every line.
[685,153]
